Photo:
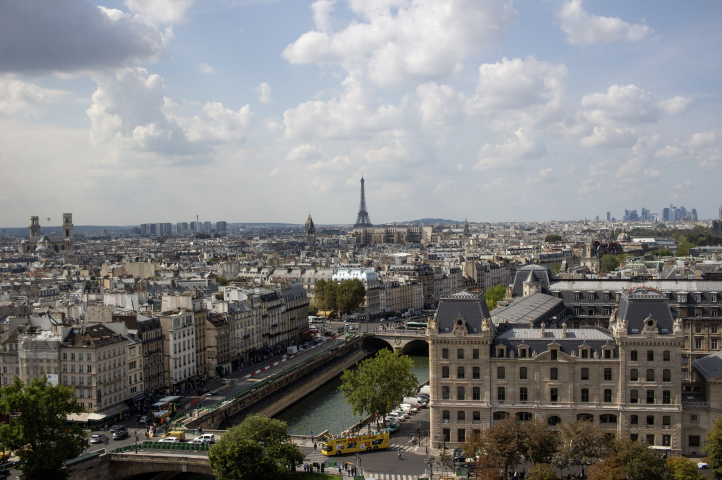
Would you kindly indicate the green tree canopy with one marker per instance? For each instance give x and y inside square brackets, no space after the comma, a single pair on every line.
[259,447]
[41,434]
[553,238]
[494,295]
[222,281]
[379,383]
[502,443]
[538,444]
[683,248]
[609,263]
[580,443]
[556,267]
[681,468]
[640,463]
[350,296]
[665,253]
[713,449]
[542,471]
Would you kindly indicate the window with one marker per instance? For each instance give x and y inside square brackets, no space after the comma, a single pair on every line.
[553,421]
[666,421]
[461,435]
[476,373]
[72,357]
[445,353]
[633,356]
[585,417]
[501,352]
[524,416]
[606,311]
[577,296]
[608,353]
[650,396]
[693,441]
[608,418]
[500,415]
[476,392]
[607,374]
[650,374]
[713,344]
[666,397]
[634,437]
[633,375]
[522,373]
[694,418]
[475,354]
[460,354]
[607,395]
[476,417]
[650,356]
[446,415]
[554,373]
[650,420]
[714,326]
[461,416]
[553,353]
[500,373]
[459,372]
[585,352]
[650,439]
[522,353]
[445,393]
[554,395]
[585,374]
[666,356]
[666,375]
[634,420]
[585,394]
[523,394]
[444,372]
[666,440]
[633,396]
[460,393]
[501,394]
[447,434]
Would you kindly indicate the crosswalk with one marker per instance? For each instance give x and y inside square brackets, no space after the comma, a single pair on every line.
[389,476]
[318,457]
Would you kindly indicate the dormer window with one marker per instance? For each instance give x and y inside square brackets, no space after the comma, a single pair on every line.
[501,352]
[584,352]
[714,296]
[697,297]
[554,353]
[681,298]
[522,353]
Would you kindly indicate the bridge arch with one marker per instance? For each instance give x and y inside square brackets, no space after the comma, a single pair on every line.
[374,343]
[417,345]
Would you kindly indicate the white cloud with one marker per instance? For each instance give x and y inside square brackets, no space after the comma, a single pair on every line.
[205,68]
[702,139]
[272,125]
[540,176]
[336,164]
[443,186]
[674,106]
[582,27]
[274,172]
[322,14]
[227,125]
[610,137]
[160,11]
[18,98]
[354,113]
[264,93]
[509,153]
[683,185]
[304,153]
[394,42]
[72,36]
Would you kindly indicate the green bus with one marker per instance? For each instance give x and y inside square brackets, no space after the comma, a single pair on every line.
[416,325]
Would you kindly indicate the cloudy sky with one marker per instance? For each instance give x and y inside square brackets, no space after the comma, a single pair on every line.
[135,111]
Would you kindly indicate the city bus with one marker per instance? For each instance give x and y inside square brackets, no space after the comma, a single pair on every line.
[165,406]
[361,443]
[416,325]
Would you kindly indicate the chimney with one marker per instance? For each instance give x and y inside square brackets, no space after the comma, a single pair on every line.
[543,328]
[531,322]
[564,330]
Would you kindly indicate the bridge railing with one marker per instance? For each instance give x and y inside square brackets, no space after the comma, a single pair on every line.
[267,380]
[165,446]
[78,460]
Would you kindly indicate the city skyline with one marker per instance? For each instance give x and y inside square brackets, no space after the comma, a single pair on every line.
[175,107]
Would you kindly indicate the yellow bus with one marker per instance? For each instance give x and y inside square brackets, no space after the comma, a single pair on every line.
[362,443]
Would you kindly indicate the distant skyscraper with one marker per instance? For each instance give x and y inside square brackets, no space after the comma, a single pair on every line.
[182,228]
[220,226]
[195,227]
[693,214]
[665,214]
[206,227]
[682,212]
[596,218]
[144,230]
[609,217]
[720,213]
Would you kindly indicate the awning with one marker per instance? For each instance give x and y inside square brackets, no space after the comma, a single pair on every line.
[85,417]
[139,398]
[115,410]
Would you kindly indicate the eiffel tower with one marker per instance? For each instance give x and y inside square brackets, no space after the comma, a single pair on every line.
[362,220]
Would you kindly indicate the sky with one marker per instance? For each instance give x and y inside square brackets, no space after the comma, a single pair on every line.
[138,111]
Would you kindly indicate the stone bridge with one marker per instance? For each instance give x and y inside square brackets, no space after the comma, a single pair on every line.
[404,340]
[119,466]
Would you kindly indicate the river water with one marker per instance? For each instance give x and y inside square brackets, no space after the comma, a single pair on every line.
[326,408]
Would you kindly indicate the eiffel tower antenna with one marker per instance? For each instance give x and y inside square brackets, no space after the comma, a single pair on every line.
[362,220]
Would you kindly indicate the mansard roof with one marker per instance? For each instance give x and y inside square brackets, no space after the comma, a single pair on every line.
[470,307]
[638,304]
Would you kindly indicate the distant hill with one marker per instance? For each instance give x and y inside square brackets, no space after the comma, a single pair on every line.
[433,221]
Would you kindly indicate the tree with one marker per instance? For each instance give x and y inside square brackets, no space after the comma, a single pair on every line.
[681,468]
[713,449]
[538,444]
[379,383]
[608,468]
[640,463]
[350,296]
[494,295]
[553,238]
[609,263]
[222,281]
[41,434]
[542,471]
[446,460]
[683,249]
[580,443]
[556,268]
[259,447]
[484,469]
[502,442]
[319,293]
[665,253]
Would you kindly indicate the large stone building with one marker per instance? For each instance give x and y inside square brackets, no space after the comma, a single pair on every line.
[49,243]
[626,378]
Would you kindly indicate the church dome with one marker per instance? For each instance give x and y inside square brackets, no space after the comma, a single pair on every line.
[623,237]
[40,248]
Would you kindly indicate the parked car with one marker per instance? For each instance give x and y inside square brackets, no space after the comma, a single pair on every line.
[702,465]
[392,427]
[460,457]
[226,381]
[340,330]
[169,440]
[205,439]
[203,391]
[117,428]
[120,434]
[99,438]
[351,327]
[144,419]
[328,333]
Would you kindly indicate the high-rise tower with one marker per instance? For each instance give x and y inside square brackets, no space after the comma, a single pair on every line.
[362,220]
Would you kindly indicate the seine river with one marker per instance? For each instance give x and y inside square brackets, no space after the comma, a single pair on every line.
[326,409]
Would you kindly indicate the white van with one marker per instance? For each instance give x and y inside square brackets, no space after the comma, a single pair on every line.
[408,409]
[426,389]
[411,401]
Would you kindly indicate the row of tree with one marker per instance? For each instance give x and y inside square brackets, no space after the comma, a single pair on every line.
[509,443]
[345,297]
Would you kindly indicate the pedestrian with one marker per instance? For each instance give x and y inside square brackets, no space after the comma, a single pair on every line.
[314,446]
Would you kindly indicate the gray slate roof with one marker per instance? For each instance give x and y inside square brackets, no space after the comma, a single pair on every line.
[463,304]
[709,366]
[538,306]
[636,305]
[514,336]
[542,273]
